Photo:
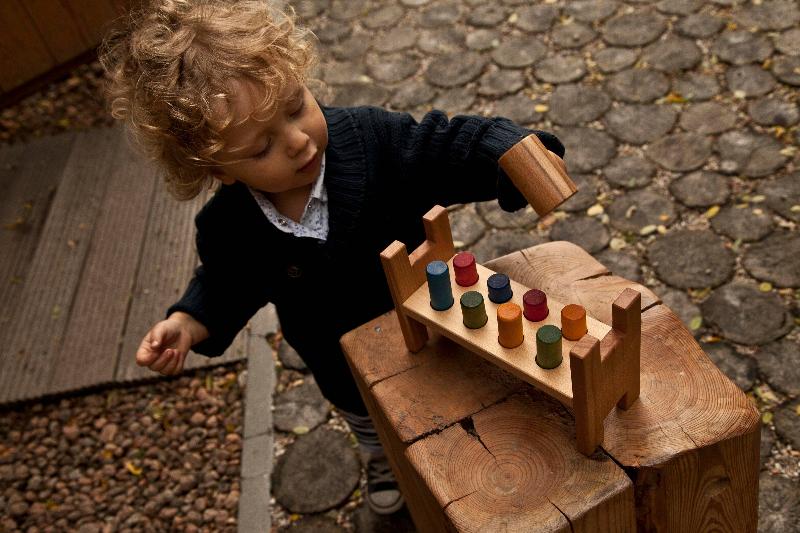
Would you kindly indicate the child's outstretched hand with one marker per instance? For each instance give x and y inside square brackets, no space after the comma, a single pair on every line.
[165,346]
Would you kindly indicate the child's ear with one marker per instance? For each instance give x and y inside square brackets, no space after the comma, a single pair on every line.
[224,178]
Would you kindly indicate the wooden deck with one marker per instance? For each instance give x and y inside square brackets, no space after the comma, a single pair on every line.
[92,252]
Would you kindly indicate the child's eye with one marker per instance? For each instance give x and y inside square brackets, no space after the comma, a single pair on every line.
[263,152]
[299,108]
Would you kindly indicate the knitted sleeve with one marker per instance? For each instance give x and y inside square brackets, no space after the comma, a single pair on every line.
[221,295]
[451,160]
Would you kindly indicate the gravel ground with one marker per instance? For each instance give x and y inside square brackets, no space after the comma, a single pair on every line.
[163,456]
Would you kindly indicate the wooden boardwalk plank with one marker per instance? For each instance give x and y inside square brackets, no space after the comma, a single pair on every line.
[29,176]
[97,320]
[48,291]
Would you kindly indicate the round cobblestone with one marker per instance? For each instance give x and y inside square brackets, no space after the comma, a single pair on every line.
[783,195]
[450,40]
[638,209]
[779,362]
[637,85]
[500,82]
[451,70]
[561,68]
[306,9]
[679,7]
[585,197]
[613,59]
[633,29]
[331,31]
[456,100]
[701,189]
[315,524]
[591,10]
[689,259]
[482,40]
[300,407]
[680,152]
[487,15]
[740,47]
[621,264]
[773,112]
[787,425]
[788,42]
[395,40]
[741,369]
[497,218]
[742,223]
[707,117]
[438,15]
[776,259]
[518,52]
[412,94]
[352,48]
[587,232]
[344,10]
[496,243]
[640,124]
[750,154]
[778,504]
[343,73]
[769,16]
[749,81]
[681,305]
[353,94]
[536,18]
[519,108]
[317,472]
[576,104]
[630,171]
[467,225]
[745,315]
[767,442]
[787,69]
[392,68]
[587,149]
[700,25]
[672,54]
[383,17]
[697,87]
[289,358]
[572,35]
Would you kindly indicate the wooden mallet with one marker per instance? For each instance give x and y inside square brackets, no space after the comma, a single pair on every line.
[539,174]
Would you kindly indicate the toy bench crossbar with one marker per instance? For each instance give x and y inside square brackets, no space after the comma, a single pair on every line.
[601,373]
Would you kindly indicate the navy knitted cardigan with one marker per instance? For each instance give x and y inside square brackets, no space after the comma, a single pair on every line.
[383,172]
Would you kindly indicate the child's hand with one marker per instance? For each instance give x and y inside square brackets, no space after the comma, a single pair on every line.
[166,345]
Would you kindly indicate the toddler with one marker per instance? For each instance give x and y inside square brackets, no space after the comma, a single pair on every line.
[307,196]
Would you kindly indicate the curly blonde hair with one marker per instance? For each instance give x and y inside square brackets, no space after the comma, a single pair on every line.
[169,68]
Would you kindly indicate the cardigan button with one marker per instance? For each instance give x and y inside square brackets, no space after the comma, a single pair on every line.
[294,271]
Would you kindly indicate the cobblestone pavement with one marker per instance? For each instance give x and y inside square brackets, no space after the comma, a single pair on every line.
[680,119]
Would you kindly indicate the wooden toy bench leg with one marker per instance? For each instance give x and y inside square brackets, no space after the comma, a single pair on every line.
[405,274]
[603,378]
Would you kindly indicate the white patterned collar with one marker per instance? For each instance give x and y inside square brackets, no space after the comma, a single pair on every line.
[313,222]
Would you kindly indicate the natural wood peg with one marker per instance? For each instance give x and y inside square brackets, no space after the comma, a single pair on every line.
[539,174]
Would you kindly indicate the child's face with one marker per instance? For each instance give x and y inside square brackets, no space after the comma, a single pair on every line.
[275,155]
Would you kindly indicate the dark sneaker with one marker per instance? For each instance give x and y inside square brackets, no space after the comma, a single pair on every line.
[383,494]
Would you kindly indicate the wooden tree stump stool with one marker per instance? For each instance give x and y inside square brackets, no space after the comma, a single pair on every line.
[476,449]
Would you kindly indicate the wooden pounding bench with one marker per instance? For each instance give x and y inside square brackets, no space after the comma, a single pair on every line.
[475,448]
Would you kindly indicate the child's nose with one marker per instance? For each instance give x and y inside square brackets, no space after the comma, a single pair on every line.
[297,141]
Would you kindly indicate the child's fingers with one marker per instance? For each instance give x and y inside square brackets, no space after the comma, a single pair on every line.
[145,355]
[159,364]
[175,364]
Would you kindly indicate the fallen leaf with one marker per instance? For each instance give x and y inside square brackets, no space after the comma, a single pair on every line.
[675,98]
[695,322]
[766,417]
[133,469]
[758,198]
[595,210]
[630,211]
[765,286]
[300,430]
[647,230]
[712,211]
[541,108]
